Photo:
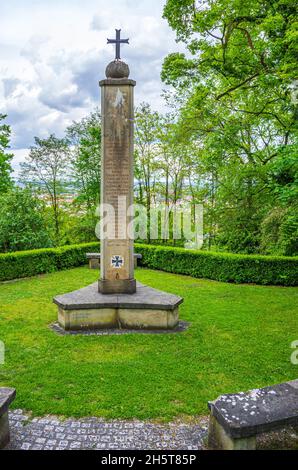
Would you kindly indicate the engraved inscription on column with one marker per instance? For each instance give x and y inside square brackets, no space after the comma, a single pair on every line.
[117,177]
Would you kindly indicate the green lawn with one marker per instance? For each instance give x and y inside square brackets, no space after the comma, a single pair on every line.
[239,339]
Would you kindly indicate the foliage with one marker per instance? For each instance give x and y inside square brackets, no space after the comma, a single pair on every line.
[29,263]
[219,266]
[146,129]
[85,140]
[280,232]
[229,141]
[78,226]
[283,175]
[280,226]
[5,158]
[238,339]
[237,103]
[46,167]
[22,225]
[225,267]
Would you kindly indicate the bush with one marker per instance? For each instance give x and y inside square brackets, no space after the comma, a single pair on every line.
[22,222]
[29,263]
[275,270]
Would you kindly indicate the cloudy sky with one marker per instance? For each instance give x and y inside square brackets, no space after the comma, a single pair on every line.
[53,53]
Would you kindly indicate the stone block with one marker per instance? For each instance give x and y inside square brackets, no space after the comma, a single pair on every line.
[94,260]
[148,319]
[7,395]
[236,419]
[94,263]
[4,430]
[219,439]
[81,319]
[117,286]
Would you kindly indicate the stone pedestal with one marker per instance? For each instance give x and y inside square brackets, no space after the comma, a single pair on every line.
[146,309]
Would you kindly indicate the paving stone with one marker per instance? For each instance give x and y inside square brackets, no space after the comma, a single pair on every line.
[25,446]
[49,433]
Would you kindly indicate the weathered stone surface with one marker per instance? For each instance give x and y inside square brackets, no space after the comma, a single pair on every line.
[54,433]
[7,395]
[78,319]
[147,308]
[117,182]
[94,260]
[246,414]
[117,286]
[4,430]
[89,297]
[148,318]
[93,255]
[117,69]
[219,439]
[94,263]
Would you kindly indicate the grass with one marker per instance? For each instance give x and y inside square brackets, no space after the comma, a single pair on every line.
[239,339]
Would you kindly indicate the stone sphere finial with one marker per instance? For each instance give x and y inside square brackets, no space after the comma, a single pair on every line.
[117,69]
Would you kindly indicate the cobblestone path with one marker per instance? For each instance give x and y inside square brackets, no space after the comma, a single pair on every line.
[50,433]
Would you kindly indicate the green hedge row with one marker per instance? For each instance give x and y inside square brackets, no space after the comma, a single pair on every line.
[218,266]
[29,263]
[275,270]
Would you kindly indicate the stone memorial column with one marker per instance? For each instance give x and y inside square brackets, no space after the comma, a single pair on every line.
[117,110]
[90,307]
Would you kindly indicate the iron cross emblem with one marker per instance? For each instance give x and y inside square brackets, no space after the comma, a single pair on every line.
[118,42]
[117,261]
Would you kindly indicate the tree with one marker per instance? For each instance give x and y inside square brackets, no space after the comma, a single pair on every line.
[236,100]
[280,226]
[146,138]
[47,169]
[85,140]
[22,222]
[5,158]
[85,164]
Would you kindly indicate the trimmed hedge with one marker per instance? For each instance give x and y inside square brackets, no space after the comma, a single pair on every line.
[29,263]
[274,270]
[226,267]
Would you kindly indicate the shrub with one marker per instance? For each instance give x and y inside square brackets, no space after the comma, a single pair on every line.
[29,263]
[275,270]
[22,222]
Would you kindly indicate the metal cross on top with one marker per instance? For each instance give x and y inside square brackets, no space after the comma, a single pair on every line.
[118,41]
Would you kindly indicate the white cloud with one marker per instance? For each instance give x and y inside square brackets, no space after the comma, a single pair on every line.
[19,157]
[52,55]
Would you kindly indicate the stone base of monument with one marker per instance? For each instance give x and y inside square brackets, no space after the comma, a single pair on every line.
[148,308]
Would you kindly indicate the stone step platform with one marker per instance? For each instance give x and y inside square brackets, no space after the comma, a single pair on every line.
[236,419]
[87,308]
